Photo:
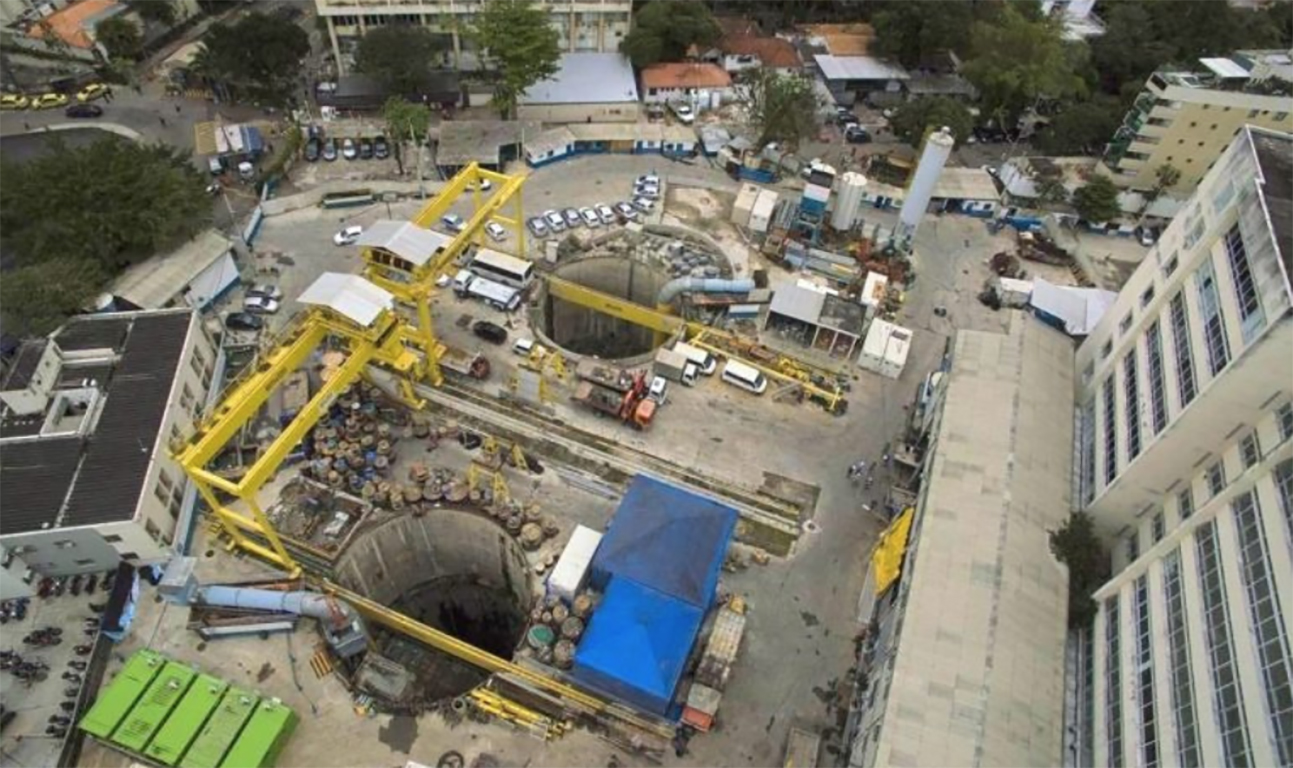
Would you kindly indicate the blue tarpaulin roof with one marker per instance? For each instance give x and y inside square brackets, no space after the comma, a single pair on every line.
[666,538]
[636,645]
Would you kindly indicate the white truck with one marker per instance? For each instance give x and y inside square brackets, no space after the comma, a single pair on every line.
[705,362]
[497,295]
[674,366]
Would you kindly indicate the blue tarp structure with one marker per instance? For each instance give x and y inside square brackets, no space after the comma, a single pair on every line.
[636,645]
[666,538]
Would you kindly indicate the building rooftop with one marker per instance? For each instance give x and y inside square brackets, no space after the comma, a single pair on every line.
[405,239]
[350,296]
[23,365]
[1275,160]
[979,671]
[842,39]
[685,75]
[858,68]
[88,465]
[771,51]
[153,283]
[586,78]
[481,141]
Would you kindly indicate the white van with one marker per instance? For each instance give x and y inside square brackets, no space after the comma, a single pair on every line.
[741,375]
[705,362]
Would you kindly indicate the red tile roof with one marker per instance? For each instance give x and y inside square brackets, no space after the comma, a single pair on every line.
[690,75]
[772,51]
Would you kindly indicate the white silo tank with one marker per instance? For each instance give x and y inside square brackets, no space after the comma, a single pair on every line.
[938,147]
[848,203]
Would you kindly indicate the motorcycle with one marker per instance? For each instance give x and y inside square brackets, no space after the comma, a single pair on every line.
[82,650]
[45,588]
[79,666]
[75,586]
[60,720]
[60,585]
[98,607]
[56,731]
[72,677]
[91,583]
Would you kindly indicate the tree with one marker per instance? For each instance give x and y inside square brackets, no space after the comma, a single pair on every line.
[112,203]
[121,37]
[520,43]
[1016,61]
[405,122]
[1166,176]
[400,57]
[912,32]
[257,57]
[1049,182]
[1097,200]
[36,299]
[155,11]
[911,120]
[782,107]
[665,31]
[1078,547]
[1080,127]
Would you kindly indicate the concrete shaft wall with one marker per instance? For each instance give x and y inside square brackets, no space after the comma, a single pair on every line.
[586,332]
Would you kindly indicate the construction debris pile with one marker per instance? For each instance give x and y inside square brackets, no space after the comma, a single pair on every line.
[318,515]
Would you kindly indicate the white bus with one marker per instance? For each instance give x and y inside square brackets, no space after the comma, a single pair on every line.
[741,375]
[705,362]
[502,268]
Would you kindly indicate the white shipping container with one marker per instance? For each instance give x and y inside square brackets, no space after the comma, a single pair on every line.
[885,349]
[761,214]
[568,575]
[744,204]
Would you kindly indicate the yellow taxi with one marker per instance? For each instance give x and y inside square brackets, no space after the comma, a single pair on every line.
[91,92]
[13,101]
[48,101]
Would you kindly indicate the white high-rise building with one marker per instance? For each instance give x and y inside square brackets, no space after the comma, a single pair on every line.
[1185,459]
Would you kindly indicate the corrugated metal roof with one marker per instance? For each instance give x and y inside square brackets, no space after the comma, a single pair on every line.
[1079,309]
[350,296]
[34,477]
[858,68]
[1225,68]
[404,239]
[966,184]
[587,78]
[798,303]
[23,366]
[153,283]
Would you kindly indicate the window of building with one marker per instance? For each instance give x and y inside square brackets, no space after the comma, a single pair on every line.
[1178,648]
[1112,682]
[1124,324]
[1157,388]
[1251,316]
[1186,385]
[1133,545]
[187,399]
[1131,391]
[1170,265]
[129,556]
[1146,296]
[1223,197]
[1086,433]
[1216,477]
[1250,450]
[1253,113]
[1285,418]
[1269,633]
[1185,502]
[1106,349]
[1158,527]
[1214,324]
[1194,232]
[174,507]
[1110,435]
[1283,475]
[65,544]
[1228,703]
[112,538]
[1145,673]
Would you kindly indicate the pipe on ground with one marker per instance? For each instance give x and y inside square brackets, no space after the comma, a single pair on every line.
[672,289]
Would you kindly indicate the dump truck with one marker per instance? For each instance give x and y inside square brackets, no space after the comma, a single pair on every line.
[612,378]
[472,365]
[632,407]
[675,366]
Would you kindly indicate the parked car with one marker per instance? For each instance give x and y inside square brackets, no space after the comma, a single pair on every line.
[260,305]
[48,101]
[658,390]
[329,149]
[556,222]
[496,231]
[453,222]
[590,217]
[643,204]
[856,134]
[1147,236]
[572,217]
[241,321]
[349,150]
[647,191]
[313,149]
[523,346]
[491,332]
[651,179]
[91,92]
[365,148]
[683,113]
[266,290]
[626,210]
[348,235]
[605,213]
[14,101]
[381,150]
[84,110]
[846,118]
[538,226]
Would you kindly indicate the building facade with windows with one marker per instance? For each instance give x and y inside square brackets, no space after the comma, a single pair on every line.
[583,25]
[1187,119]
[88,419]
[1184,459]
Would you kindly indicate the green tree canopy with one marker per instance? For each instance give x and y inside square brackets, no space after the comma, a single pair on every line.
[258,57]
[1077,546]
[1097,200]
[664,31]
[406,121]
[400,56]
[913,32]
[782,107]
[121,37]
[155,11]
[520,43]
[36,299]
[1081,127]
[912,119]
[112,203]
[1016,60]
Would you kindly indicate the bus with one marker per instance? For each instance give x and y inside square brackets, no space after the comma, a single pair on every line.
[741,375]
[501,268]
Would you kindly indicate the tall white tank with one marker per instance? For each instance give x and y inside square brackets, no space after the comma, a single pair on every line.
[848,203]
[938,147]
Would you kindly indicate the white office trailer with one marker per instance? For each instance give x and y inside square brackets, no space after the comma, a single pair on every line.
[571,570]
[885,349]
[744,204]
[764,208]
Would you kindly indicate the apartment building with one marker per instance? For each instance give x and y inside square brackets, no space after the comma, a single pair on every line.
[584,25]
[87,419]
[1187,119]
[1185,460]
